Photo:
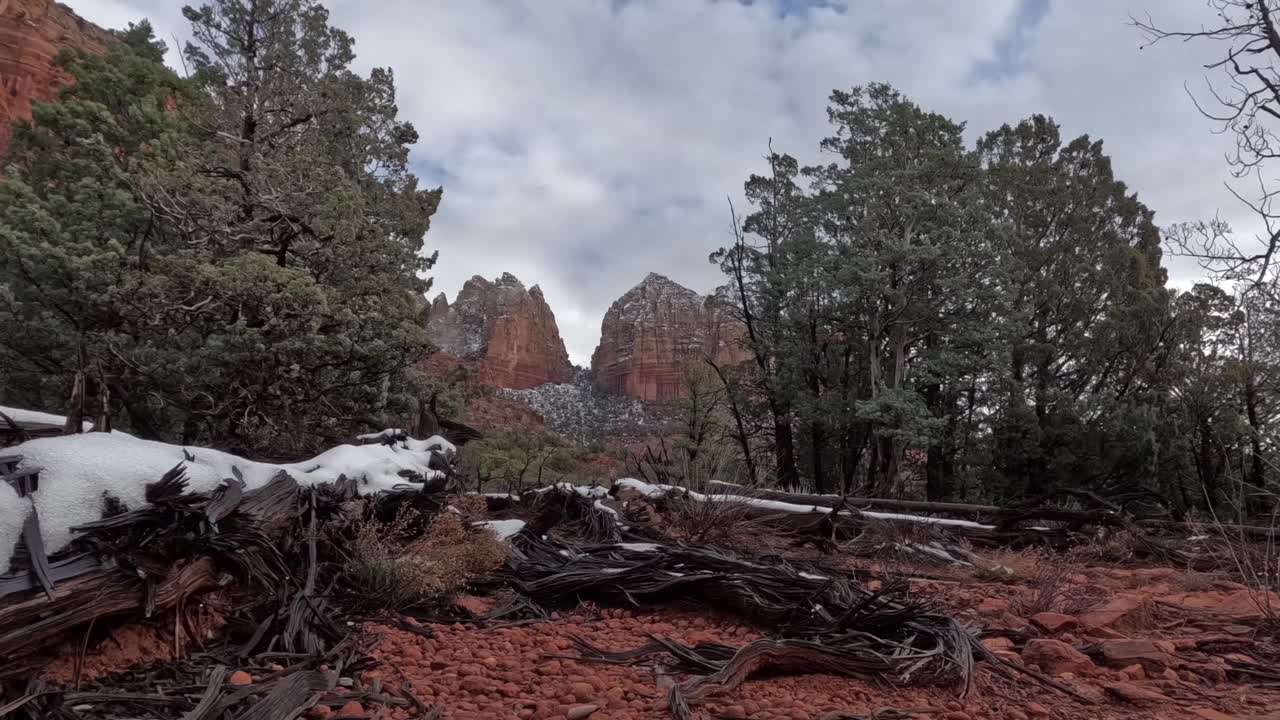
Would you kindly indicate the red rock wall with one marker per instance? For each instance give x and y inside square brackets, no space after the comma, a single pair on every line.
[32,32]
[509,332]
[651,333]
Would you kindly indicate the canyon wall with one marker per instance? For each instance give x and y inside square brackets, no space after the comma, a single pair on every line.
[508,331]
[32,32]
[651,332]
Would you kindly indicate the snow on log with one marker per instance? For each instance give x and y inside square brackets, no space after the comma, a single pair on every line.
[81,476]
[36,418]
[650,490]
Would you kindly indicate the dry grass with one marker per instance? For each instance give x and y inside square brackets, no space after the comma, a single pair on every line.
[1013,566]
[472,505]
[1049,581]
[704,521]
[1257,565]
[395,567]
[1108,545]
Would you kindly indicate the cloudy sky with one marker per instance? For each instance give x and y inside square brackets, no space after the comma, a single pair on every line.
[585,143]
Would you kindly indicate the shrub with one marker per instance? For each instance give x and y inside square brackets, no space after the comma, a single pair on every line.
[394,566]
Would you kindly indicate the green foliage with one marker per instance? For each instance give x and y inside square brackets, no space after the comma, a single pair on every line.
[515,461]
[994,319]
[231,259]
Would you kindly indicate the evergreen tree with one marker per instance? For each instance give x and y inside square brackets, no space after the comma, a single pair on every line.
[246,269]
[898,211]
[1084,305]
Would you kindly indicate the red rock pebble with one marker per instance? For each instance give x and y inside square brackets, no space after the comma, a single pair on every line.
[532,673]
[352,709]
[1054,622]
[1055,656]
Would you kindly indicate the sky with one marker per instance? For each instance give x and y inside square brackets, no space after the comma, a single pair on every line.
[582,144]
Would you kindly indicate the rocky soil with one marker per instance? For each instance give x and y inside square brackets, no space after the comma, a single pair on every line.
[1130,642]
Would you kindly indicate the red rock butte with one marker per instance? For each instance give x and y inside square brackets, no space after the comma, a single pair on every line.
[652,331]
[509,331]
[32,33]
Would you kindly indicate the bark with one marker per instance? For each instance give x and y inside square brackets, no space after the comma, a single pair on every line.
[784,447]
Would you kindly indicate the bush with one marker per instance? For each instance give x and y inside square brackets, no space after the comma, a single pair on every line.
[394,565]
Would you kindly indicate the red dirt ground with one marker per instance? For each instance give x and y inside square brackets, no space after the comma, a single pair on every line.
[1190,629]
[1146,643]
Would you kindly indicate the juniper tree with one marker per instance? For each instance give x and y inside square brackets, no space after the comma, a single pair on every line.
[251,240]
[897,207]
[1084,312]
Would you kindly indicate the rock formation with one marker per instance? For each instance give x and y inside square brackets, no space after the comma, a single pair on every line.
[507,330]
[32,32]
[651,332]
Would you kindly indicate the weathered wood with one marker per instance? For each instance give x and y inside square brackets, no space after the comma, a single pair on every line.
[849,524]
[291,696]
[9,463]
[13,432]
[208,707]
[992,514]
[34,544]
[61,571]
[94,591]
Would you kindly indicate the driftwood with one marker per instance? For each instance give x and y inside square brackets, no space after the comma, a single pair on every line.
[261,552]
[841,524]
[152,560]
[824,621]
[1001,517]
[839,521]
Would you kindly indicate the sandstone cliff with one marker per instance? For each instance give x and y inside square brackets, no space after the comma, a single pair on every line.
[652,331]
[507,330]
[32,32]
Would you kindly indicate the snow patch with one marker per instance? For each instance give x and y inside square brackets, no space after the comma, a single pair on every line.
[13,512]
[36,417]
[581,413]
[504,529]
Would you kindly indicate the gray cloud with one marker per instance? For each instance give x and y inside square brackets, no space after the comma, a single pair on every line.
[584,143]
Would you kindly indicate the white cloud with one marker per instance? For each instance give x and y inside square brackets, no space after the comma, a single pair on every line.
[584,143]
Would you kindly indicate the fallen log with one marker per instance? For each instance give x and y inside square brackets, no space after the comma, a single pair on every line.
[992,514]
[156,558]
[849,522]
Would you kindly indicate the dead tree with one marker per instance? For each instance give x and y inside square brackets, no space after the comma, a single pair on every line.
[1247,104]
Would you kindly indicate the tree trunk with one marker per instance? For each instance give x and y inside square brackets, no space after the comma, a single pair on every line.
[817,440]
[784,447]
[1256,475]
[248,114]
[852,457]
